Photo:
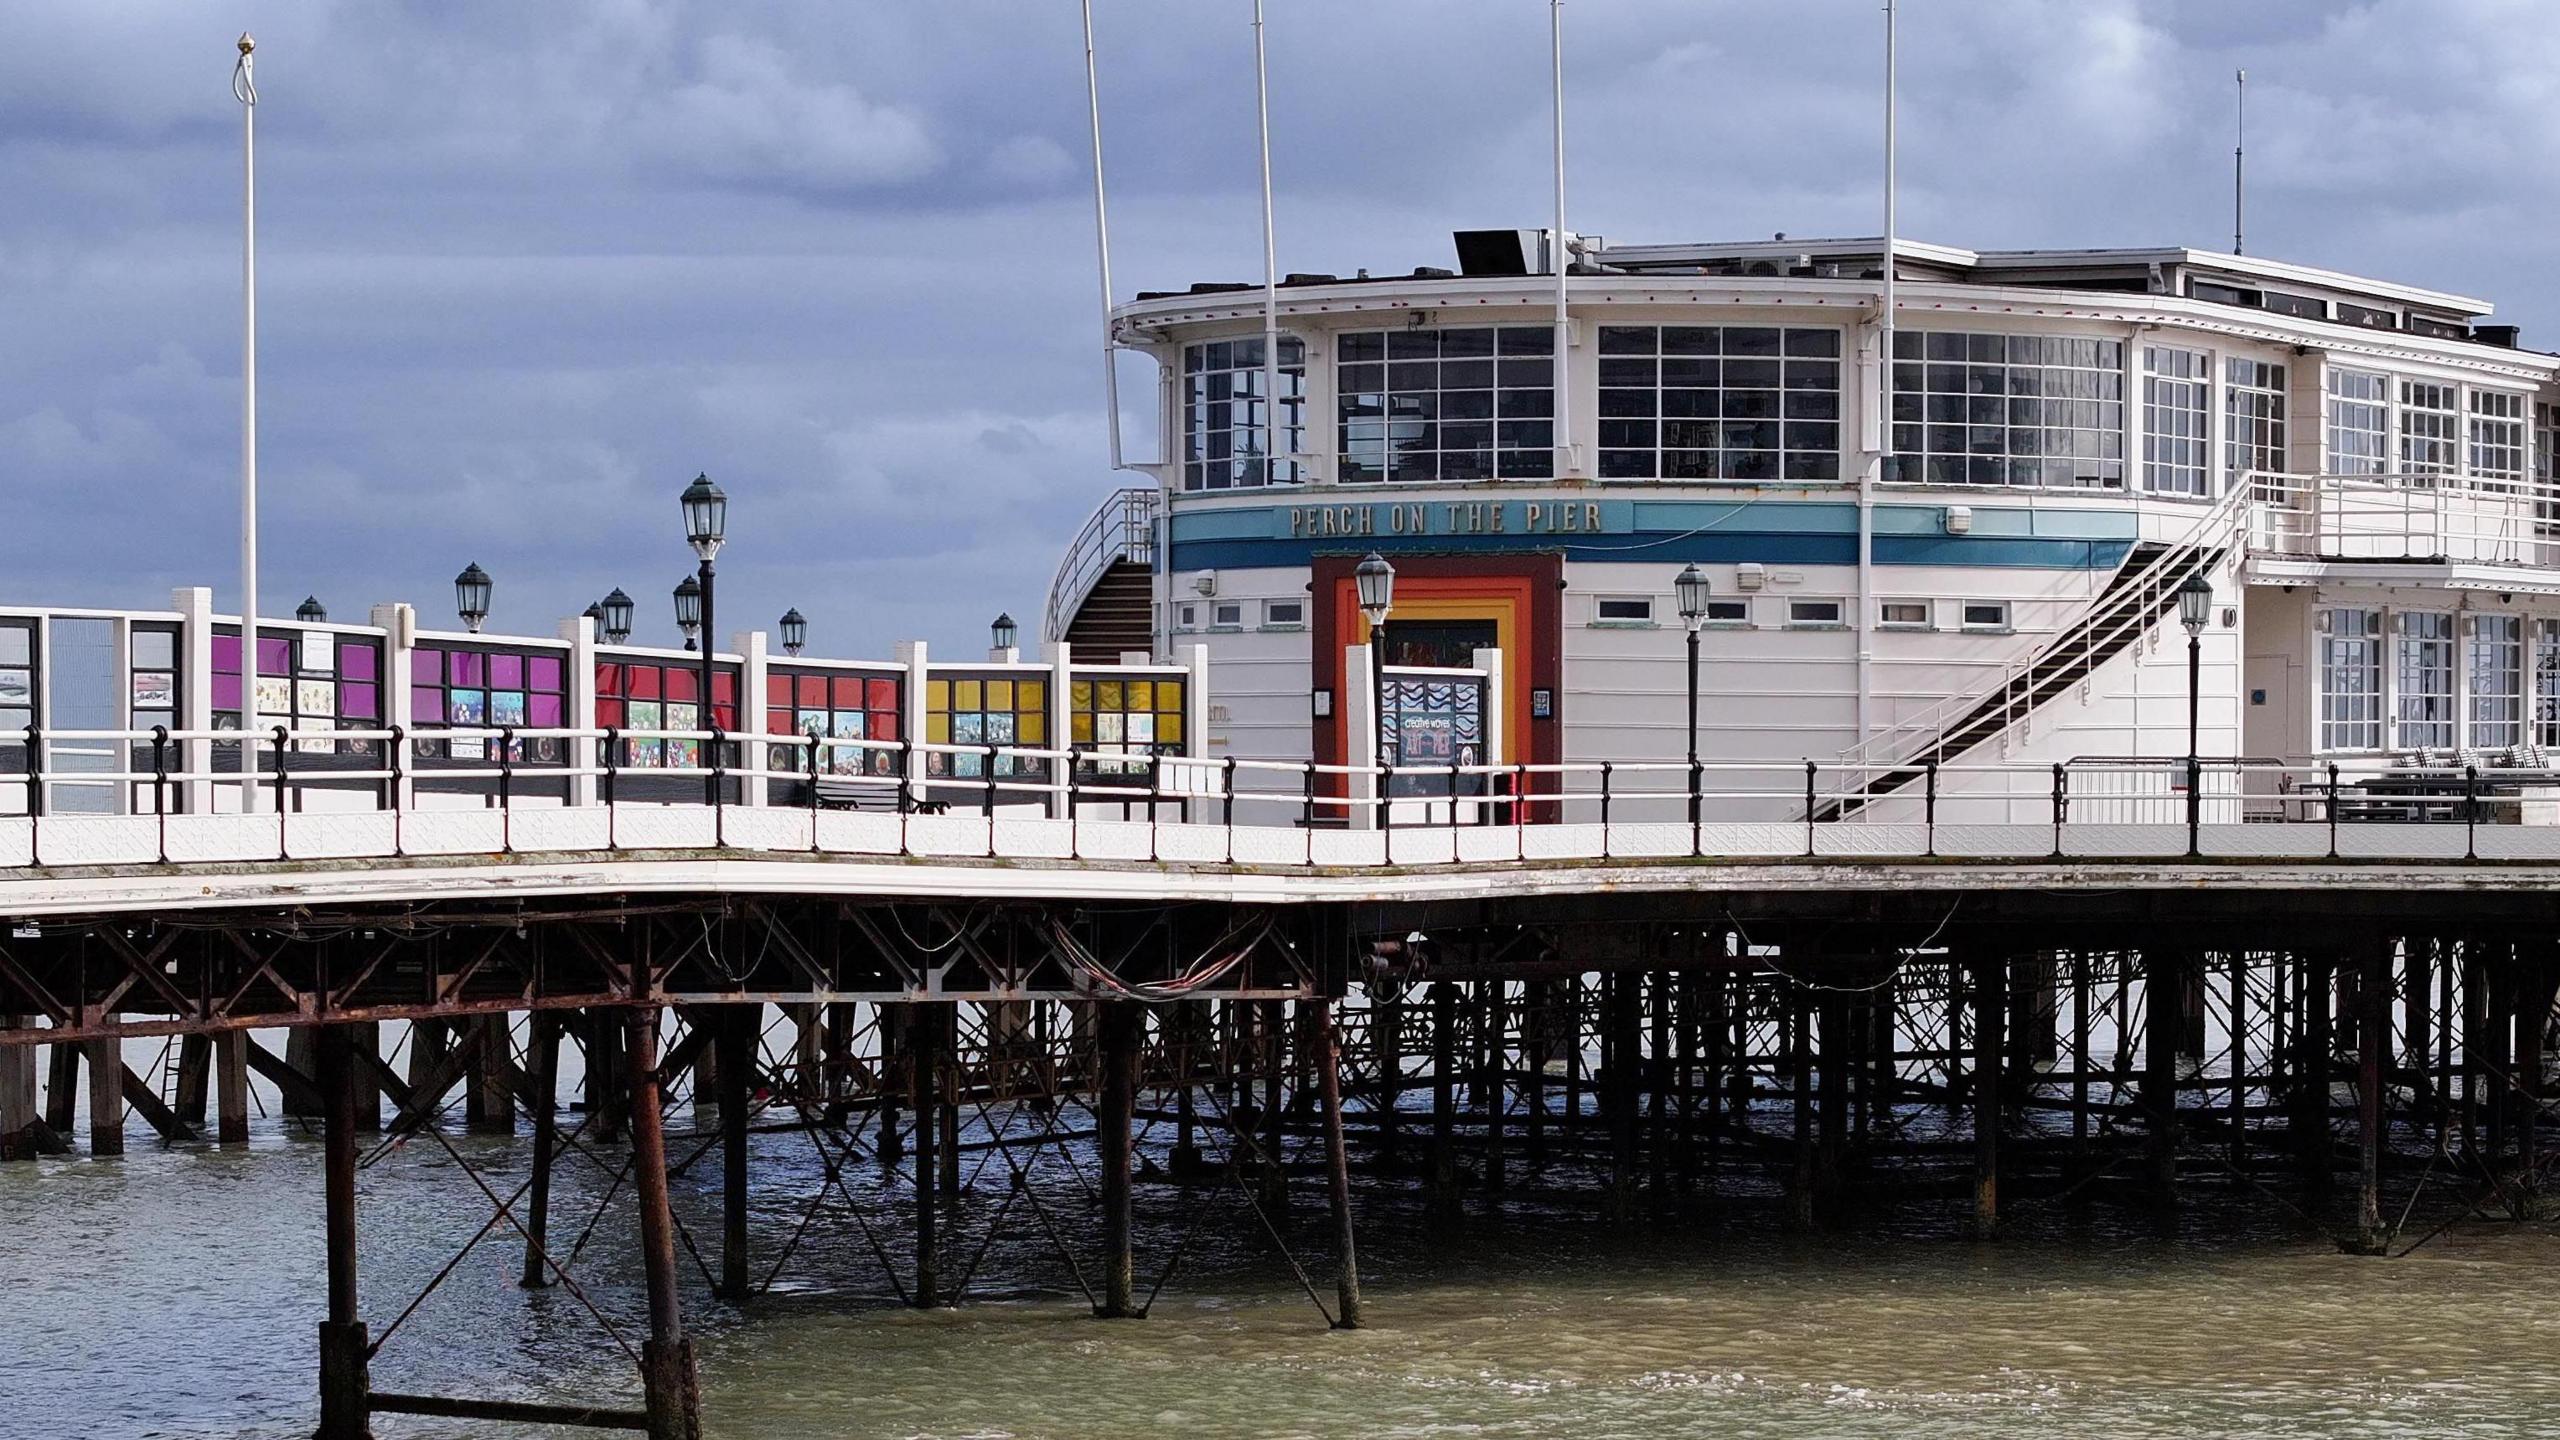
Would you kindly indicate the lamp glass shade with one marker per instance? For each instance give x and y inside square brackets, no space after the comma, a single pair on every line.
[1375,580]
[2195,603]
[1691,587]
[311,611]
[471,595]
[1003,631]
[617,616]
[706,516]
[688,604]
[795,630]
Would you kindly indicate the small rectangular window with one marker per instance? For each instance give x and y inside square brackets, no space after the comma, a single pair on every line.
[1728,612]
[1227,615]
[1986,614]
[2367,316]
[1187,617]
[1284,614]
[1911,613]
[1624,610]
[1813,612]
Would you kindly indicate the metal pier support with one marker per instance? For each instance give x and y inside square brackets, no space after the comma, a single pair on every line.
[1122,1024]
[1337,1169]
[542,1063]
[740,1027]
[924,1072]
[1988,1013]
[345,1387]
[667,1382]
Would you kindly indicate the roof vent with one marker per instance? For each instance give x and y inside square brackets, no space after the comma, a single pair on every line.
[1432,272]
[1501,252]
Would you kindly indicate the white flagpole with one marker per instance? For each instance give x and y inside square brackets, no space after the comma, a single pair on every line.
[1102,238]
[1564,387]
[1273,447]
[244,88]
[2239,148]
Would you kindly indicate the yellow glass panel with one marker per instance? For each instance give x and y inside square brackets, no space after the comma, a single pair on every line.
[1168,694]
[1142,695]
[1169,728]
[937,694]
[999,694]
[1080,726]
[1031,695]
[937,727]
[1032,728]
[1107,695]
[1080,694]
[968,695]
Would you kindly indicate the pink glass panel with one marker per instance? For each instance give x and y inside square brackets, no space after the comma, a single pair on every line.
[275,657]
[468,667]
[426,667]
[226,690]
[226,653]
[542,672]
[542,712]
[506,672]
[358,662]
[357,701]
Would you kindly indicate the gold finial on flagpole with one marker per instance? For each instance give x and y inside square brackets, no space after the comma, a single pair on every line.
[246,43]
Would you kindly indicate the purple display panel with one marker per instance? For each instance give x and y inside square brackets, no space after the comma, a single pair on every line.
[543,672]
[358,662]
[542,712]
[426,667]
[275,657]
[226,653]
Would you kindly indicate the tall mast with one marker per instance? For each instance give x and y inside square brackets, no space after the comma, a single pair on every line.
[1556,251]
[1273,447]
[244,88]
[2239,147]
[1101,238]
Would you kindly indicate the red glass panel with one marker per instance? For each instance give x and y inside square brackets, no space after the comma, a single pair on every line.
[778,722]
[724,717]
[883,724]
[608,678]
[777,689]
[682,685]
[724,686]
[608,712]
[640,682]
[884,695]
[813,692]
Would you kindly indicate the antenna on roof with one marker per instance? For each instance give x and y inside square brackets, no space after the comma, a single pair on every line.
[1102,241]
[244,88]
[2239,147]
[1273,447]
[1556,251]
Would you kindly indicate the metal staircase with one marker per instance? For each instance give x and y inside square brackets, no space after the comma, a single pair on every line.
[2141,592]
[1102,599]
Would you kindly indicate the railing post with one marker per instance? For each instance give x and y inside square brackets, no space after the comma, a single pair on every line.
[1227,806]
[399,767]
[817,749]
[1453,807]
[719,788]
[2333,809]
[2058,809]
[280,793]
[1307,803]
[987,803]
[1155,795]
[612,769]
[160,785]
[1929,807]
[1697,811]
[906,784]
[1808,809]
[505,790]
[2195,806]
[1606,768]
[2470,812]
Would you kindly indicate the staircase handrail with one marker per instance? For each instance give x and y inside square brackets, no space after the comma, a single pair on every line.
[2128,606]
[1123,526]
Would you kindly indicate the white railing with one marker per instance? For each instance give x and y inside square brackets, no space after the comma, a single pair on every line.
[855,798]
[1122,527]
[2413,517]
[2118,618]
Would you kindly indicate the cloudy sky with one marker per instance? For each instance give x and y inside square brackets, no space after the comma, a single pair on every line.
[526,268]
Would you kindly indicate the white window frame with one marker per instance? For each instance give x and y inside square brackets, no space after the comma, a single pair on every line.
[1271,618]
[1885,620]
[1839,613]
[2545,727]
[2001,626]
[1737,613]
[2347,720]
[2177,409]
[1222,409]
[2365,417]
[2494,438]
[2429,422]
[1600,615]
[2414,691]
[2493,681]
[2254,405]
[1218,615]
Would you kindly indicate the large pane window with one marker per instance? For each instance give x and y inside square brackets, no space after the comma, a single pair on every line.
[992,711]
[2174,383]
[2424,671]
[2009,409]
[1126,718]
[2497,439]
[2350,679]
[1710,402]
[307,680]
[1465,404]
[840,706]
[1225,415]
[2546,683]
[2496,692]
[2253,406]
[2359,422]
[2428,429]
[647,695]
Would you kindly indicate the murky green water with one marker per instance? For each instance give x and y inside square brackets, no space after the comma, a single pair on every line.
[174,1294]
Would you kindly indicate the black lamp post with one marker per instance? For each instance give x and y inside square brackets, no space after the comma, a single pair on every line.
[795,631]
[617,616]
[1375,581]
[2195,606]
[471,596]
[1691,588]
[311,611]
[706,524]
[595,615]
[689,609]
[1003,631]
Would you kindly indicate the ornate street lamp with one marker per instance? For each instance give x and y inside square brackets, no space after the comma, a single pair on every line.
[689,609]
[617,616]
[471,596]
[1691,588]
[2195,606]
[795,631]
[1375,582]
[1003,632]
[706,524]
[311,611]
